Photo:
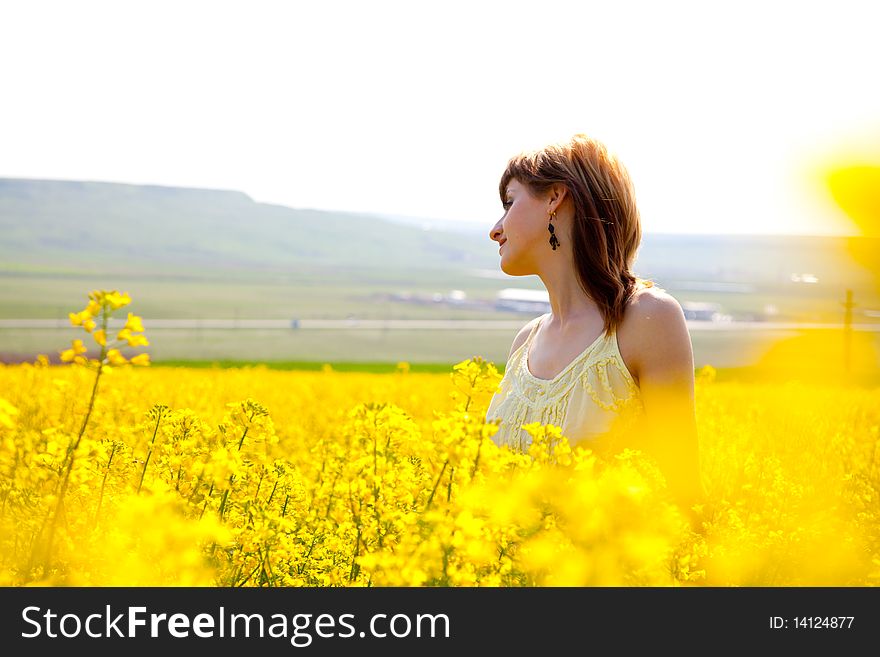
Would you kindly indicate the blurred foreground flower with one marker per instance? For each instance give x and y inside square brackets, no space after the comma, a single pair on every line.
[854,184]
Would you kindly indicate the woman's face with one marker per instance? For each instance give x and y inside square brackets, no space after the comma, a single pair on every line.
[522,230]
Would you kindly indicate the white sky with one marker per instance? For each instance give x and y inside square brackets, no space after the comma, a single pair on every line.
[719,110]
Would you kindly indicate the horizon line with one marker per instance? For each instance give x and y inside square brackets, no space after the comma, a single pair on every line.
[390,216]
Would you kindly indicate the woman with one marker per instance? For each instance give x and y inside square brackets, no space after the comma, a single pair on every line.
[613,347]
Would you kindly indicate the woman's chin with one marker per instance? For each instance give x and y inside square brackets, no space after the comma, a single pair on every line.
[508,269]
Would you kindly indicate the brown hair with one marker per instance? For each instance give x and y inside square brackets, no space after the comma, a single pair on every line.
[606,230]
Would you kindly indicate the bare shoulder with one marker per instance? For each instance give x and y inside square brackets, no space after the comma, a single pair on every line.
[650,306]
[522,335]
[654,332]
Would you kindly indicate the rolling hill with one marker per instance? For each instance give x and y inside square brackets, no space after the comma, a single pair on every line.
[69,226]
[96,225]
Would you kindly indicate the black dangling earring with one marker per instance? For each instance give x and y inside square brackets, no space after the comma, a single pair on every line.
[554,241]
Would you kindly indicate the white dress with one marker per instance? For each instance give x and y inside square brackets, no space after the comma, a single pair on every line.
[585,399]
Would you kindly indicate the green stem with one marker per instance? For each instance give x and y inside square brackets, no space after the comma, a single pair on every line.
[259,484]
[248,578]
[207,499]
[241,442]
[225,497]
[267,567]
[71,453]
[376,489]
[272,494]
[194,489]
[305,559]
[477,458]
[104,483]
[5,497]
[436,483]
[149,451]
[357,546]
[231,477]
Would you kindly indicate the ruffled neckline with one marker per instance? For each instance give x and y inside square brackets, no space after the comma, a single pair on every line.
[524,357]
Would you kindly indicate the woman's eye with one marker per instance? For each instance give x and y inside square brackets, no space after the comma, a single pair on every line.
[506,204]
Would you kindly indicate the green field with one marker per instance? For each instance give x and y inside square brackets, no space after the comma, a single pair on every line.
[334,293]
[313,292]
[436,350]
[317,292]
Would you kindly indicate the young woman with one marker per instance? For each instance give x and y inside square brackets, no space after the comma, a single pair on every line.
[613,346]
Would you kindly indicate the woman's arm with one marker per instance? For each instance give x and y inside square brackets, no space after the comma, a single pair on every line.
[664,368]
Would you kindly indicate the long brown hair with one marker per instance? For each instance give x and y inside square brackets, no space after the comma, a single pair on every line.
[607,228]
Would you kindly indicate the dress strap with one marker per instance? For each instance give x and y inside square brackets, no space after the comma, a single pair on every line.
[526,345]
[535,327]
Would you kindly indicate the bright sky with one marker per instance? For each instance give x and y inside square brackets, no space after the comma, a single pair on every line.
[720,111]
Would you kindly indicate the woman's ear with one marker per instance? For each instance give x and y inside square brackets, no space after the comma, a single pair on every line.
[557,195]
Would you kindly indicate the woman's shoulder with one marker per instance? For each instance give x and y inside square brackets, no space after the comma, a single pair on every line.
[649,299]
[523,335]
[653,322]
[651,309]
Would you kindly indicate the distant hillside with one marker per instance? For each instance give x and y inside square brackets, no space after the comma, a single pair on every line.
[96,225]
[755,259]
[73,226]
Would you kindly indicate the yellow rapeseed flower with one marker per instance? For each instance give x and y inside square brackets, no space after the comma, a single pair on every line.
[115,357]
[100,337]
[82,318]
[7,413]
[138,340]
[133,323]
[378,480]
[74,352]
[117,300]
[126,333]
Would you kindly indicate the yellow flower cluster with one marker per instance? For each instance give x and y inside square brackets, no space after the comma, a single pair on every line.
[181,477]
[304,489]
[101,305]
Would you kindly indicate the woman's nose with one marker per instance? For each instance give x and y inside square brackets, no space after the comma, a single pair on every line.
[495,232]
